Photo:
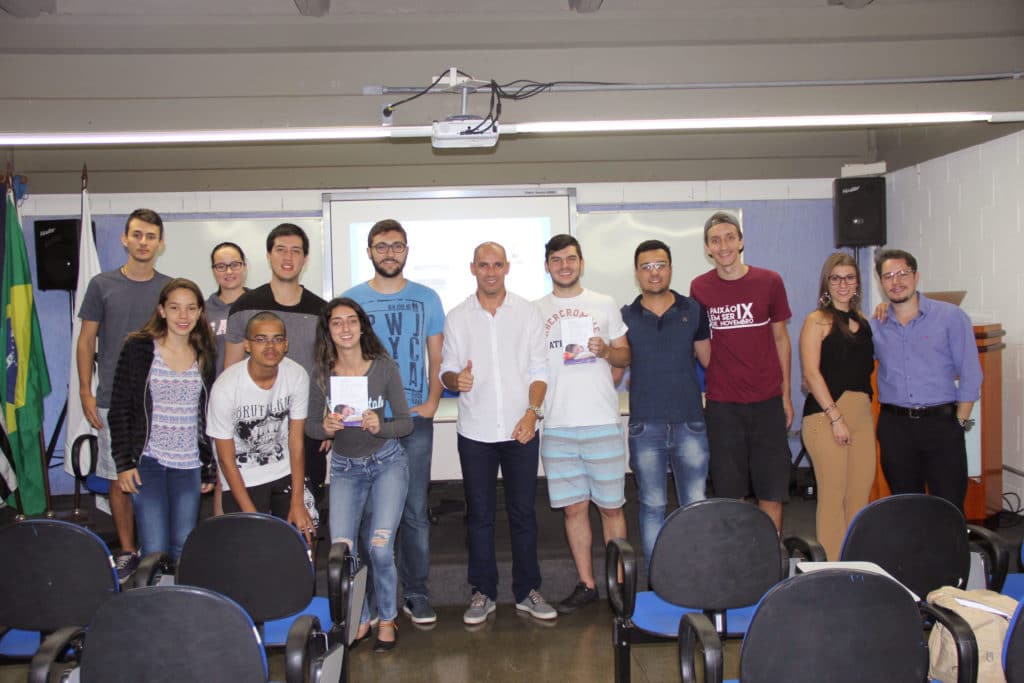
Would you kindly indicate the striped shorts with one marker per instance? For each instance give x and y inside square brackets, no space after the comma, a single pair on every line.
[585,463]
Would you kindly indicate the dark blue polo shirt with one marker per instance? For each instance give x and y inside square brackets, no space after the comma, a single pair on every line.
[663,383]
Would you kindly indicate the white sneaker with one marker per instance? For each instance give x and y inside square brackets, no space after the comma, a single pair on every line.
[479,607]
[537,606]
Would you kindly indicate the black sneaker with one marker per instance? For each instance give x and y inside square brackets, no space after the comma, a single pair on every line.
[581,595]
[126,564]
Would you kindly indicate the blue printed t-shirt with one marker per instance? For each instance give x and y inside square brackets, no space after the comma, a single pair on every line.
[663,382]
[403,321]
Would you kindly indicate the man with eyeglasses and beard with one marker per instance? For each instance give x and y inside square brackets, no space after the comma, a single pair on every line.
[929,377]
[666,330]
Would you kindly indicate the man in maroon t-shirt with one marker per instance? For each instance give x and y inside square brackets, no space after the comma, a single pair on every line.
[748,404]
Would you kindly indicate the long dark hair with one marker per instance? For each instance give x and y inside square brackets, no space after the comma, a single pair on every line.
[825,304]
[325,353]
[201,336]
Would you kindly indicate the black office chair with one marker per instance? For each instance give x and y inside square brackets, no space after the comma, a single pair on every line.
[717,556]
[263,564]
[53,574]
[166,634]
[923,541]
[830,625]
[1013,584]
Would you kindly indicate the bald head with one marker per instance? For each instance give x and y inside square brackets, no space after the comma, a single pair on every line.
[489,245]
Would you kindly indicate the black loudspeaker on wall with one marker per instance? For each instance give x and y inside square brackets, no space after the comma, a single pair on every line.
[859,211]
[57,254]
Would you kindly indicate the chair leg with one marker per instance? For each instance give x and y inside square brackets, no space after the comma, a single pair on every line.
[621,636]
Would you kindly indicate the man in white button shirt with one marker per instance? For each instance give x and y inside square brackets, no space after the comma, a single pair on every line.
[494,355]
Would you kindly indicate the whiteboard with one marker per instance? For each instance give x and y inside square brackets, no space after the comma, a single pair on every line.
[188,241]
[443,229]
[609,238]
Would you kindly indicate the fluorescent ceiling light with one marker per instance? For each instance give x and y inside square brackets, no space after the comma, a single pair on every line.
[746,122]
[258,135]
[164,137]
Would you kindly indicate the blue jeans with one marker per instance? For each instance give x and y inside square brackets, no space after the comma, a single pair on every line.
[166,507]
[378,482]
[518,462]
[414,534]
[653,448]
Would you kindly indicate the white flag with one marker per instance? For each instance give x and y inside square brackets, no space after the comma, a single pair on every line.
[88,267]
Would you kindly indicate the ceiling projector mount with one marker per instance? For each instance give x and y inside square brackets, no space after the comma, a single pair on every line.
[462,130]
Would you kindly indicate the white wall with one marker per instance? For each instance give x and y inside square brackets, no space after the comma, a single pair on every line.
[962,216]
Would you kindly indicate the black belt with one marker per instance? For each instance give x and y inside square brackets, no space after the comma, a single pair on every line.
[944,410]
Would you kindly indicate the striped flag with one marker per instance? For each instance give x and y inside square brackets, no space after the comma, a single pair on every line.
[88,267]
[26,380]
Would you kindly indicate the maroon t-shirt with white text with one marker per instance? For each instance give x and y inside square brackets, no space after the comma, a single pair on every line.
[745,364]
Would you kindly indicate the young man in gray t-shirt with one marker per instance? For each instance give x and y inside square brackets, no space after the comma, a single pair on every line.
[116,303]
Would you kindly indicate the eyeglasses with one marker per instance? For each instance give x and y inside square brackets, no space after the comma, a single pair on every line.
[224,267]
[845,279]
[654,266]
[382,247]
[263,340]
[896,275]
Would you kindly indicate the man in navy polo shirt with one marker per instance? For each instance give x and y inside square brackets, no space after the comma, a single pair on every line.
[666,415]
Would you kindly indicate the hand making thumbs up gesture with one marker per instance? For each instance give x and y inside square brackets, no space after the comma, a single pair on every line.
[464,381]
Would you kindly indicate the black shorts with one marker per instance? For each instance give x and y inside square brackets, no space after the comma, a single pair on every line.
[749,450]
[274,497]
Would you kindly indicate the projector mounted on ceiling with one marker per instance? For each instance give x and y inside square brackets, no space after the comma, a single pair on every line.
[464,130]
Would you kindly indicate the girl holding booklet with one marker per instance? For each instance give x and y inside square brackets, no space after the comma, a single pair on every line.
[368,464]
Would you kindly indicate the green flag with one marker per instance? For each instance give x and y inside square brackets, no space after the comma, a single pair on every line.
[26,380]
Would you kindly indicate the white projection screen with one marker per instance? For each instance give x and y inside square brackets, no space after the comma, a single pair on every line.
[443,228]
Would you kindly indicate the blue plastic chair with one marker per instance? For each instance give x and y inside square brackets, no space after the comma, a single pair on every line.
[1013,648]
[53,574]
[161,634]
[830,625]
[717,556]
[923,541]
[264,564]
[1013,585]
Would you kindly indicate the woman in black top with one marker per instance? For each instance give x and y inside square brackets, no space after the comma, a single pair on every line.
[838,429]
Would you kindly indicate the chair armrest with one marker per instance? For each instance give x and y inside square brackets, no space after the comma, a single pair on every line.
[695,630]
[149,570]
[996,553]
[621,596]
[305,643]
[963,636]
[338,576]
[53,648]
[806,547]
[76,455]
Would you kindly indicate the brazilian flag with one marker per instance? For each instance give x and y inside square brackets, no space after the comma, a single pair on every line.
[26,380]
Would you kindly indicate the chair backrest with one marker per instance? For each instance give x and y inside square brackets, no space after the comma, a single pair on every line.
[835,625]
[53,574]
[175,634]
[260,562]
[716,554]
[1013,648]
[920,540]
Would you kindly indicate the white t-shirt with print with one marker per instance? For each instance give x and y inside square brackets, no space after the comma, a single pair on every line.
[258,419]
[583,394]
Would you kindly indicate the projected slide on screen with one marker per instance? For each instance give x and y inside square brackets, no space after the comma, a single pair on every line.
[442,232]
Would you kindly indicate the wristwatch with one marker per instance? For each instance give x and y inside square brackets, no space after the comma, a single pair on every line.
[538,411]
[966,424]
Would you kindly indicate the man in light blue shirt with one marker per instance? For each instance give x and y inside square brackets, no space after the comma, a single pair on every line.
[929,377]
